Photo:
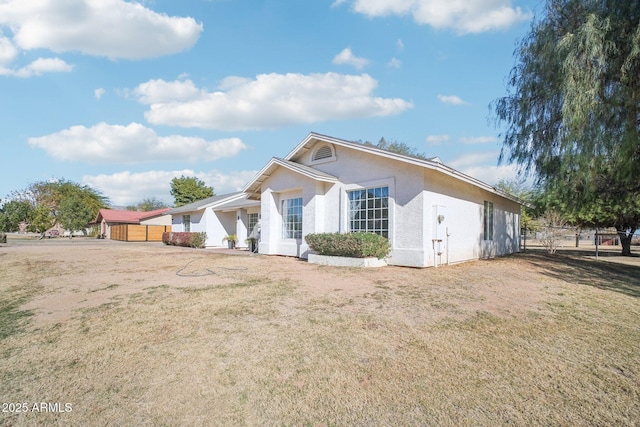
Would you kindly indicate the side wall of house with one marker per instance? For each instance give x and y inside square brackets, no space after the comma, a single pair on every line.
[462,230]
[159,220]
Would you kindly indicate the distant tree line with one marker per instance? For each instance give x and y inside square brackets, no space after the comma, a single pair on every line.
[46,204]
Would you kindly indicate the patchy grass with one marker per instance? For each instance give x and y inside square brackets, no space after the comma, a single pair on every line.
[452,346]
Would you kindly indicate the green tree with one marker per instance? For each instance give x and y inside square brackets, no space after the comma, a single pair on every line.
[42,220]
[15,212]
[147,205]
[74,214]
[572,109]
[187,190]
[45,199]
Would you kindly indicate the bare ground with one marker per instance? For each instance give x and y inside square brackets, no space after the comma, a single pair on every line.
[149,334]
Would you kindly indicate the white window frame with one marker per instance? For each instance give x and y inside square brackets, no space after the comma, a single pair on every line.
[249,222]
[487,227]
[186,223]
[292,229]
[376,210]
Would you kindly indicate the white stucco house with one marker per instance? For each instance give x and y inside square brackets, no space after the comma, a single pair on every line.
[218,216]
[431,213]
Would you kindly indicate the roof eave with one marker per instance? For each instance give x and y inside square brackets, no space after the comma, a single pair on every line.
[427,164]
[252,186]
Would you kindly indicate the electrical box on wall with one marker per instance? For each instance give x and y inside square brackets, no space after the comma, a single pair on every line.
[440,236]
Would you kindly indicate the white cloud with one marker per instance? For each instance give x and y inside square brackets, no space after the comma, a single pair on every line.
[474,159]
[400,44]
[478,139]
[98,93]
[160,91]
[124,188]
[451,99]
[347,57]
[8,51]
[108,28]
[135,143]
[483,166]
[266,102]
[394,63]
[461,16]
[491,174]
[437,139]
[38,68]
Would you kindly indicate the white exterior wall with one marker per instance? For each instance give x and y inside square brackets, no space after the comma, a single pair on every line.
[201,221]
[358,170]
[465,220]
[159,220]
[416,196]
[282,185]
[219,225]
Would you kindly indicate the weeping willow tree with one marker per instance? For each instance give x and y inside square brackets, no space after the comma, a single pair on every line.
[572,110]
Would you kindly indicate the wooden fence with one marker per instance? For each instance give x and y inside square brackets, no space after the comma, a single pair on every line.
[138,233]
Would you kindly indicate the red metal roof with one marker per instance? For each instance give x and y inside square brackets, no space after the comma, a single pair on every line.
[127,217]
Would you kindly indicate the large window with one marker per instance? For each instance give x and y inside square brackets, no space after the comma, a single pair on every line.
[292,218]
[186,222]
[488,220]
[369,210]
[252,220]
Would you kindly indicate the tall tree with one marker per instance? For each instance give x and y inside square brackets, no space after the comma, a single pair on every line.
[13,213]
[74,214]
[572,108]
[47,197]
[187,190]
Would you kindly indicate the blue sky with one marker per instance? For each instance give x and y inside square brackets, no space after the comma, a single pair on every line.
[123,96]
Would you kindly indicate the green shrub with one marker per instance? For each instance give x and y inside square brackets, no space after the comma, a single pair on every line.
[354,245]
[176,238]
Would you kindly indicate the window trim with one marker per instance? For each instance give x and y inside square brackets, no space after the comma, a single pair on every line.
[287,225]
[318,147]
[362,185]
[371,210]
[249,225]
[186,223]
[487,221]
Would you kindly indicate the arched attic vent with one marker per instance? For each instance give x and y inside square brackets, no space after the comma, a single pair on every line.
[321,153]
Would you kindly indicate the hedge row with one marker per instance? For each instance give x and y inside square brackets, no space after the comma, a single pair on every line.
[176,238]
[354,245]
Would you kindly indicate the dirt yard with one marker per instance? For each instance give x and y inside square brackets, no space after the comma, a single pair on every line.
[98,332]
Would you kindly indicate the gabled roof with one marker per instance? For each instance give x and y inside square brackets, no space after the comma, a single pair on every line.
[253,187]
[235,204]
[208,202]
[433,164]
[127,217]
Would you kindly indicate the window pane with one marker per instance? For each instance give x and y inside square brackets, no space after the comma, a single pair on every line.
[372,213]
[488,221]
[292,218]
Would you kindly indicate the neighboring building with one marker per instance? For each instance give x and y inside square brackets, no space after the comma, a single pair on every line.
[110,220]
[431,213]
[219,217]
